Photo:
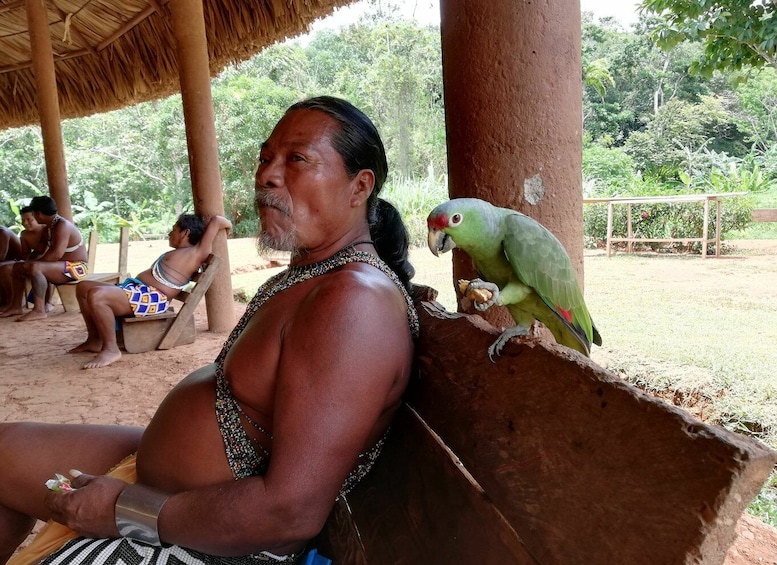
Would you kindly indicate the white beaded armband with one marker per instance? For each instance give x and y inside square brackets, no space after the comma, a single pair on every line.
[137,511]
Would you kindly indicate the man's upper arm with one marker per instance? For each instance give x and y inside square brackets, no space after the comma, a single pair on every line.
[340,359]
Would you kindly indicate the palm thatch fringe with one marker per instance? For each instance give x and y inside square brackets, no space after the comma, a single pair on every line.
[114,53]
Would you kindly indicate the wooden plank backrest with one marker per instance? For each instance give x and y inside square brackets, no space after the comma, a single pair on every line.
[123,252]
[92,250]
[418,505]
[540,457]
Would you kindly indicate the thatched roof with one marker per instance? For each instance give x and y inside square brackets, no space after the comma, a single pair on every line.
[113,53]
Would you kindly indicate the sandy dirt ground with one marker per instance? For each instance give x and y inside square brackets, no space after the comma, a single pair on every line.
[40,381]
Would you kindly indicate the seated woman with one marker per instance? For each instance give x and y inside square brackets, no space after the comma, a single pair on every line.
[64,260]
[148,293]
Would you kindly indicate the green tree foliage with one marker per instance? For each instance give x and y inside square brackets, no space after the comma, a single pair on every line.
[22,169]
[597,75]
[608,170]
[394,73]
[676,134]
[651,126]
[643,79]
[735,34]
[756,114]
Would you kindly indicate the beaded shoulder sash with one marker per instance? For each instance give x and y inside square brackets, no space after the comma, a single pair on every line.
[242,455]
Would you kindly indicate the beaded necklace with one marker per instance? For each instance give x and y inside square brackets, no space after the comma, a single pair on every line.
[297,274]
[50,227]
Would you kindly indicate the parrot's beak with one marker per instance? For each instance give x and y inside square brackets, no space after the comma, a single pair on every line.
[439,242]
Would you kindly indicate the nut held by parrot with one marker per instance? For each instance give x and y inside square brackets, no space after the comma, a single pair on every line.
[480,295]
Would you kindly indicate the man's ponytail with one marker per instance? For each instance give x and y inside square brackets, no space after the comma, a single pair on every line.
[391,240]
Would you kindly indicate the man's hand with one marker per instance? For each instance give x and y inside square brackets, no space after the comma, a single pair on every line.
[88,510]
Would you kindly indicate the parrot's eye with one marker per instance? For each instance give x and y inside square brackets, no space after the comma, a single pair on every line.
[455,220]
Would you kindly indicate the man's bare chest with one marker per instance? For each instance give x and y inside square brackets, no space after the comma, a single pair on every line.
[252,364]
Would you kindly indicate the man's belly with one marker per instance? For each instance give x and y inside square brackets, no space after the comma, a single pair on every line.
[182,447]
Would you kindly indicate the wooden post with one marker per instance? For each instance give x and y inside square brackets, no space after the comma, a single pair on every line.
[188,27]
[123,252]
[48,105]
[513,101]
[91,250]
[629,231]
[610,207]
[717,227]
[706,229]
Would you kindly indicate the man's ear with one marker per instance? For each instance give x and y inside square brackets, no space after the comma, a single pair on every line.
[186,233]
[362,185]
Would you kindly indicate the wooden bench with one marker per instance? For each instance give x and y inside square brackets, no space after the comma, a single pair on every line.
[540,458]
[169,329]
[67,291]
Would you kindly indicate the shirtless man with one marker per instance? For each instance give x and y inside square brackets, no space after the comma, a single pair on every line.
[32,244]
[64,260]
[150,292]
[303,391]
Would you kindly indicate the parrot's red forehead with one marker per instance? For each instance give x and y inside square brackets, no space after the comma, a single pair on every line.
[437,222]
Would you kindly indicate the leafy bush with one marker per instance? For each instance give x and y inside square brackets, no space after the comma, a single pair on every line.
[664,221]
[245,228]
[415,199]
[608,170]
[759,230]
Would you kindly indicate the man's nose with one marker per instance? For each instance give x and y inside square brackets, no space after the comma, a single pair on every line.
[269,175]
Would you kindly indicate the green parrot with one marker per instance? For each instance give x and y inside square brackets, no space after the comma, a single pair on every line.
[522,264]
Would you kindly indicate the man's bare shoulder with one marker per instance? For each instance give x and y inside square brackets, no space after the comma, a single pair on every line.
[357,292]
[360,279]
[340,322]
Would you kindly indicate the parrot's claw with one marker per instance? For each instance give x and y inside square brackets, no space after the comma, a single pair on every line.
[496,348]
[478,284]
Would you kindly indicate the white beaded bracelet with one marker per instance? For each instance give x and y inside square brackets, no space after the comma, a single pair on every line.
[137,511]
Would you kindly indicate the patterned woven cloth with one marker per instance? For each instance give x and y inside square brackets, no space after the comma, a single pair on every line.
[145,300]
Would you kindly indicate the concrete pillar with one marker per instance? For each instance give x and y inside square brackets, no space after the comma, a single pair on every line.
[513,104]
[48,105]
[189,31]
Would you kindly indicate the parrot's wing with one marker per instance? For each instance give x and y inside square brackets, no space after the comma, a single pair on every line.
[541,262]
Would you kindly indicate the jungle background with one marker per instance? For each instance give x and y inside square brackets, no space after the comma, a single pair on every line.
[663,113]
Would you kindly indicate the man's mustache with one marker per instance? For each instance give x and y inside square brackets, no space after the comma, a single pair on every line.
[265,199]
